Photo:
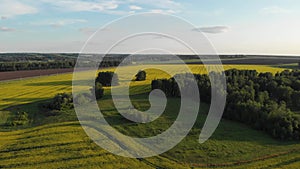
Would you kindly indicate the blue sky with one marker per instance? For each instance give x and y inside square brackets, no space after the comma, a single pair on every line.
[233,26]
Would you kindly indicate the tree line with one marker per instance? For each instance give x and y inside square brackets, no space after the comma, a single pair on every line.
[262,100]
[16,66]
[55,64]
[37,65]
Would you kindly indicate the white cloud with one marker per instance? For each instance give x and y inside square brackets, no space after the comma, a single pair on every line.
[101,6]
[80,5]
[157,11]
[161,11]
[9,8]
[134,7]
[159,6]
[212,29]
[60,23]
[165,4]
[66,22]
[112,7]
[275,10]
[4,17]
[88,30]
[6,29]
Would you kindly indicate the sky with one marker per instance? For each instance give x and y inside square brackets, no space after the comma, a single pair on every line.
[232,26]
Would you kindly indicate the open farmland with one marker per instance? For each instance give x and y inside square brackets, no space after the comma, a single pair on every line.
[60,141]
[23,91]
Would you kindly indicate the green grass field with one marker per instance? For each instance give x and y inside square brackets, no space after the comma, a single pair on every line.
[60,142]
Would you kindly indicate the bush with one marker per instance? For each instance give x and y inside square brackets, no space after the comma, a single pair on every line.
[108,78]
[140,76]
[21,118]
[61,101]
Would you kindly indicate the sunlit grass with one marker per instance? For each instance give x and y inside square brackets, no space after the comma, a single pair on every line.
[61,144]
[28,90]
[65,145]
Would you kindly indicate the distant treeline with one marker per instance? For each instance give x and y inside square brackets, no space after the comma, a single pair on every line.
[261,100]
[54,64]
[36,61]
[15,66]
[21,57]
[33,57]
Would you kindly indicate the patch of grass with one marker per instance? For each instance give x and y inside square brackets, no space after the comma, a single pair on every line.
[4,116]
[60,145]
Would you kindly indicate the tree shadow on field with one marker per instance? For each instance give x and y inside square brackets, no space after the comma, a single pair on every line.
[24,99]
[288,66]
[61,83]
[238,132]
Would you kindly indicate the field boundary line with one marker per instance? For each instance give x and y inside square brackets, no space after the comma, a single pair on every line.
[237,163]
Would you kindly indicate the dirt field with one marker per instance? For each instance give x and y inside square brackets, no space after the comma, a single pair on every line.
[31,73]
[252,61]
